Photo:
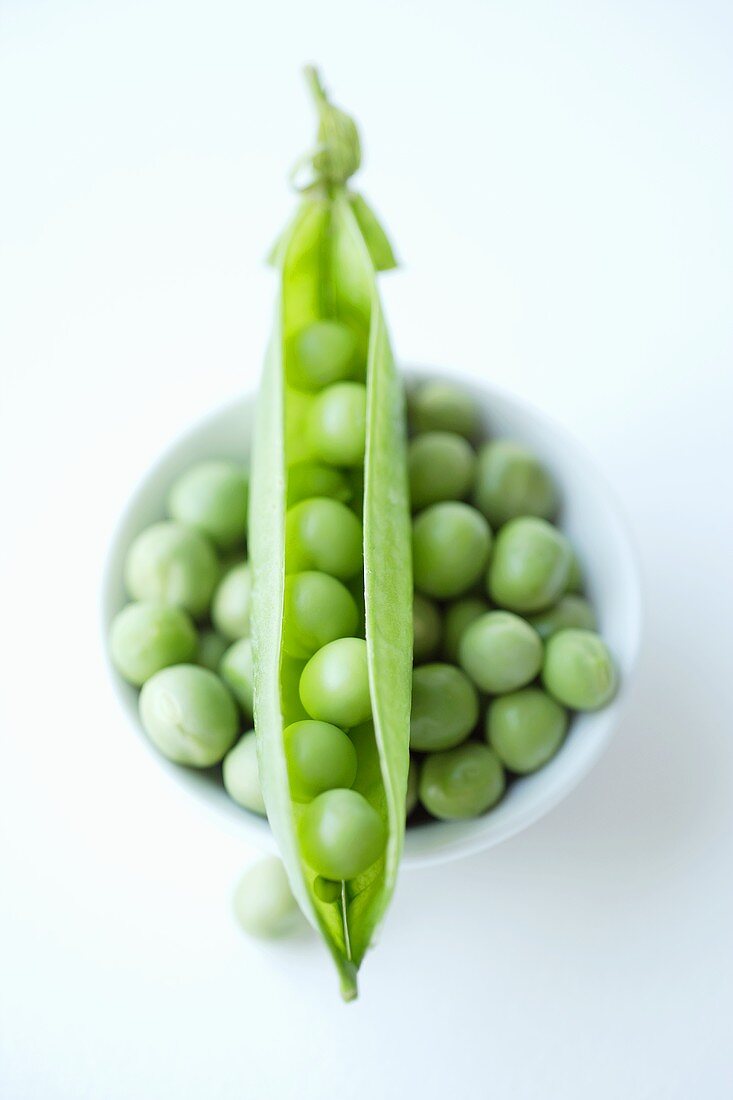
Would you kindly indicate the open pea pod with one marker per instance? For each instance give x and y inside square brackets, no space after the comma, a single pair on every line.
[326,263]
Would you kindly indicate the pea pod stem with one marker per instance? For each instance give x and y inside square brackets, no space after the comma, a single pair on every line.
[315,84]
[345,919]
[338,154]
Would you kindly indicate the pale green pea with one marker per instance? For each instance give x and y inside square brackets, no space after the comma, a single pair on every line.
[189,715]
[511,482]
[340,834]
[241,774]
[451,543]
[324,535]
[334,686]
[311,479]
[317,609]
[445,707]
[173,564]
[237,671]
[525,729]
[462,782]
[231,606]
[263,902]
[337,424]
[579,670]
[146,637]
[441,467]
[529,566]
[500,652]
[320,354]
[442,407]
[320,757]
[212,497]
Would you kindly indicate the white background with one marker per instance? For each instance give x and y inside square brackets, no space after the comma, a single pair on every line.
[557,177]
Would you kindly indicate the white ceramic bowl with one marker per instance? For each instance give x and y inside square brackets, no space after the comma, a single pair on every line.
[590,518]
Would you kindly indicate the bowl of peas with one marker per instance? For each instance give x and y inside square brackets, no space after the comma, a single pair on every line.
[526,617]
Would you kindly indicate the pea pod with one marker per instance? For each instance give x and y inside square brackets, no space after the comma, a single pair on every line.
[326,262]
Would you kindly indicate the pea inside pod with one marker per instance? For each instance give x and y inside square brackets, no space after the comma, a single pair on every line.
[330,416]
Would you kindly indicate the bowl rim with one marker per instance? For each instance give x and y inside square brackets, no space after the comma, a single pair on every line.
[442,845]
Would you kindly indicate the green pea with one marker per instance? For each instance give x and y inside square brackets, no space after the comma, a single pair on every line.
[578,670]
[500,652]
[444,707]
[511,482]
[320,354]
[340,834]
[442,407]
[241,774]
[212,497]
[325,535]
[441,467]
[530,565]
[173,564]
[525,729]
[320,757]
[334,686]
[189,715]
[463,782]
[337,424]
[310,479]
[237,671]
[146,637]
[231,606]
[326,889]
[451,543]
[426,628]
[318,609]
[413,782]
[456,620]
[211,649]
[263,902]
[569,611]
